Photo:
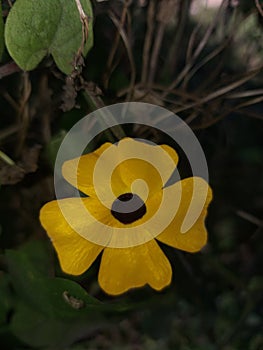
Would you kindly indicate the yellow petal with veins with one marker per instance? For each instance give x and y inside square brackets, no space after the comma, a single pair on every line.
[196,237]
[79,172]
[124,268]
[75,253]
[142,161]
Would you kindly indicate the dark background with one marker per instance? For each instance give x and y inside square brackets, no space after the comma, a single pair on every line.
[205,64]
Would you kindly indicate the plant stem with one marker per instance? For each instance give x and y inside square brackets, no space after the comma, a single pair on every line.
[6,159]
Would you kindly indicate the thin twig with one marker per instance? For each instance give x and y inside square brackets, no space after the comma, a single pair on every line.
[253,101]
[9,131]
[115,46]
[8,69]
[221,91]
[176,92]
[260,10]
[250,114]
[209,31]
[85,31]
[148,41]
[6,159]
[156,50]
[166,10]
[129,53]
[229,111]
[249,217]
[11,101]
[191,41]
[204,61]
[197,51]
[224,90]
[183,13]
[23,115]
[95,103]
[244,94]
[80,9]
[84,20]
[191,117]
[214,76]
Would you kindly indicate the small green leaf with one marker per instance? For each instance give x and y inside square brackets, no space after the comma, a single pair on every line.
[35,29]
[2,43]
[40,330]
[49,311]
[29,270]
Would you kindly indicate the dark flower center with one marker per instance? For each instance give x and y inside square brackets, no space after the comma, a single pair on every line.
[128,208]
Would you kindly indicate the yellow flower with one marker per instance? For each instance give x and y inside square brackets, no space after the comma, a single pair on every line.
[128,209]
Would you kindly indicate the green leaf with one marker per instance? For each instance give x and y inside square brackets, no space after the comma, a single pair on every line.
[49,311]
[2,43]
[29,270]
[40,330]
[35,29]
[35,254]
[53,146]
[56,310]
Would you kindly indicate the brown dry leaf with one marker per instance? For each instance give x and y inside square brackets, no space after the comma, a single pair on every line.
[69,95]
[29,161]
[12,174]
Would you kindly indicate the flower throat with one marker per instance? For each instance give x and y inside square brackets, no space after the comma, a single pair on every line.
[128,208]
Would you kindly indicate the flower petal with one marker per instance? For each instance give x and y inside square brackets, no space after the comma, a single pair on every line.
[79,172]
[196,237]
[75,253]
[150,163]
[112,169]
[125,268]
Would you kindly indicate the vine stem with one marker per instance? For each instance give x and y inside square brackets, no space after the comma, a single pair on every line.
[80,9]
[85,24]
[6,159]
[259,7]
